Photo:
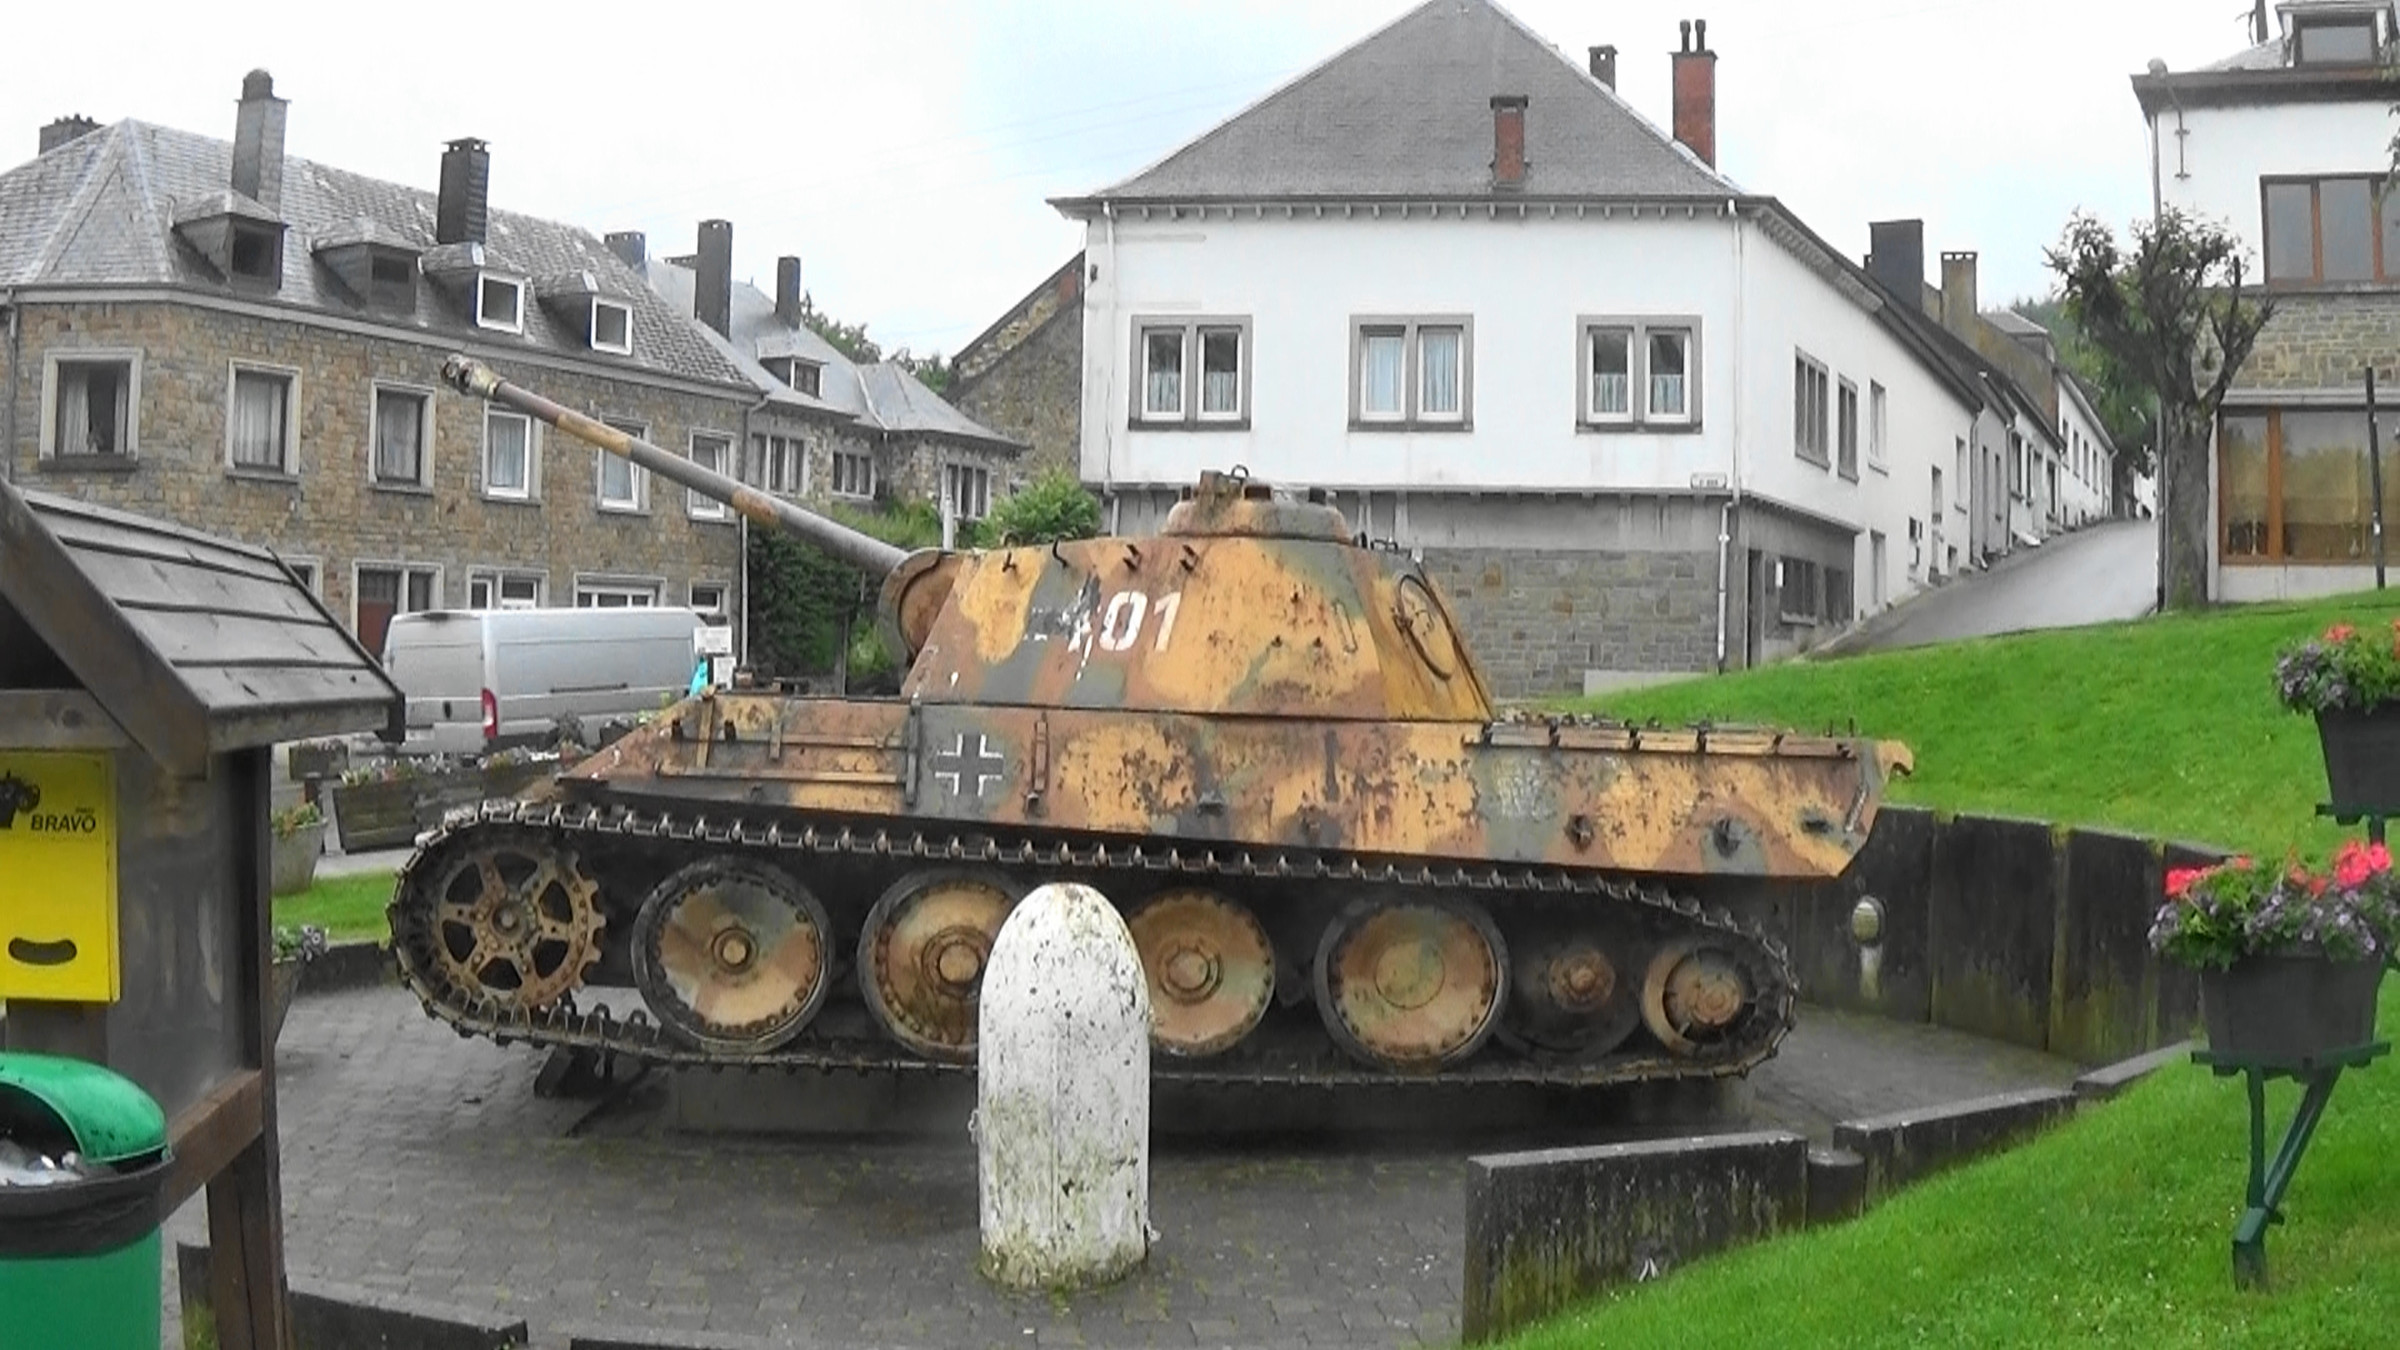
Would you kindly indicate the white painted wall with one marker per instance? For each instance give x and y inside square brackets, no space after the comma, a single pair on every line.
[1526,283]
[2226,150]
[2084,475]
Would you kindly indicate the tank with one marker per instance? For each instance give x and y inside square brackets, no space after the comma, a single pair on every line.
[1263,739]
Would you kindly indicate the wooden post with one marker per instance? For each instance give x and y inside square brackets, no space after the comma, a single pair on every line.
[245,1201]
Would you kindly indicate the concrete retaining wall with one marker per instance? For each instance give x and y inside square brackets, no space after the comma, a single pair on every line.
[337,1317]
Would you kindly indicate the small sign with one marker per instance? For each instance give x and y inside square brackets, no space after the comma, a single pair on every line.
[58,877]
[712,641]
[1708,482]
[720,671]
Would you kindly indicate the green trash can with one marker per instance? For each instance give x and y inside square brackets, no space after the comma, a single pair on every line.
[79,1261]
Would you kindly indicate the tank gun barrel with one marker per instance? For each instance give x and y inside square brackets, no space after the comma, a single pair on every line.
[856,547]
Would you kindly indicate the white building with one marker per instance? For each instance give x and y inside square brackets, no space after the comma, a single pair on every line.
[1635,418]
[2289,143]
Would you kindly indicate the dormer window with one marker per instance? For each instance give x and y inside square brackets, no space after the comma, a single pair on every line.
[802,376]
[2345,41]
[612,327]
[256,252]
[500,303]
[392,280]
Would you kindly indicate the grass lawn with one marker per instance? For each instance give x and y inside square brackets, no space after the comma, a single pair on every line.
[2115,1229]
[2168,726]
[348,908]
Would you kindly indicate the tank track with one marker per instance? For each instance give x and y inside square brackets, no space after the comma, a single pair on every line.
[636,1037]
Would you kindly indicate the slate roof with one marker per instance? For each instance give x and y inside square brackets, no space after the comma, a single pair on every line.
[195,644]
[2014,324]
[1406,113]
[882,397]
[101,210]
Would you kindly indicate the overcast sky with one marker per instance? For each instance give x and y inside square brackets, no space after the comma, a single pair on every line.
[905,148]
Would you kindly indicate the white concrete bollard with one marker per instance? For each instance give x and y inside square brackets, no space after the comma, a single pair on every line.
[1062,1100]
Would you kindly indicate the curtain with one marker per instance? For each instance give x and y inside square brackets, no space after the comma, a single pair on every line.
[74,411]
[1163,360]
[399,438]
[1379,375]
[1667,372]
[257,420]
[1438,352]
[1221,373]
[504,455]
[1612,380]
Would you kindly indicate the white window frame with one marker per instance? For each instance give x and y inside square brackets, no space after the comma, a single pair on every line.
[773,451]
[131,359]
[651,590]
[376,389]
[1411,330]
[310,570]
[530,489]
[290,375]
[624,348]
[1879,426]
[1820,430]
[496,582]
[698,505]
[638,477]
[516,286]
[1845,433]
[833,475]
[1191,333]
[1638,330]
[1958,473]
[724,590]
[956,473]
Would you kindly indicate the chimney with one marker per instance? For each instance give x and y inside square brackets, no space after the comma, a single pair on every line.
[1604,65]
[464,208]
[1958,293]
[258,142]
[631,247]
[1696,93]
[66,130]
[712,277]
[1897,258]
[1508,140]
[787,291]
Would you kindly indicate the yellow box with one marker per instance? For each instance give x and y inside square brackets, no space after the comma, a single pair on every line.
[58,876]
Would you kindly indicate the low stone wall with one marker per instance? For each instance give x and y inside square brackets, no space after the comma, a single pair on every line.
[338,1317]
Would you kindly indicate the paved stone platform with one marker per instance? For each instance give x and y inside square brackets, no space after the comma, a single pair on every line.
[422,1165]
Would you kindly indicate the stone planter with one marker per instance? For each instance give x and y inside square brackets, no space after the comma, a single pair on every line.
[283,982]
[2282,1009]
[310,759]
[2362,755]
[392,814]
[295,860]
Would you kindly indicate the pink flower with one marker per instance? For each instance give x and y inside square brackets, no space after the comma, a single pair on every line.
[2180,879]
[2340,632]
[2355,863]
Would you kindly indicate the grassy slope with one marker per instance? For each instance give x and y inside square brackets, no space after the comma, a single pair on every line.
[2168,726]
[346,907]
[2115,1230]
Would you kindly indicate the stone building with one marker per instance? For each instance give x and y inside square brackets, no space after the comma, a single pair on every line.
[1024,374]
[249,344]
[826,428]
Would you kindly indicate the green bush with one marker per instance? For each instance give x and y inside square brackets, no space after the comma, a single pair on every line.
[800,596]
[1053,506]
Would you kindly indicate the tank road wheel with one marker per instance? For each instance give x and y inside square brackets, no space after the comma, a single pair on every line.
[515,923]
[1211,969]
[1411,984]
[922,953]
[1571,996]
[1695,996]
[731,955]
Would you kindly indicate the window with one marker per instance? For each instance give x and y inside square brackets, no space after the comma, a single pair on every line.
[1877,425]
[1639,372]
[306,571]
[853,474]
[2294,485]
[1670,357]
[2016,464]
[1847,420]
[1810,389]
[507,455]
[256,252]
[612,327]
[1169,352]
[1958,476]
[1796,590]
[258,421]
[1412,372]
[2331,231]
[803,376]
[710,451]
[624,486]
[778,463]
[505,590]
[967,491]
[1937,499]
[2343,41]
[391,279]
[93,401]
[499,303]
[1610,398]
[615,593]
[708,597]
[403,431]
[386,589]
[1838,598]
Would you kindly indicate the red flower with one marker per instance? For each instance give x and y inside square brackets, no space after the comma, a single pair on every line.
[2340,632]
[2180,879]
[2356,862]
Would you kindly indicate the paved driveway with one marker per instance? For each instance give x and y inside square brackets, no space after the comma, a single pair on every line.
[2095,575]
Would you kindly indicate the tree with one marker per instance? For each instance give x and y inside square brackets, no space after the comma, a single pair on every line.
[2172,316]
[2123,404]
[850,339]
[1052,507]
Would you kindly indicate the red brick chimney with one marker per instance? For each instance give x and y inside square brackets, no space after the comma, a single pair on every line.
[1508,140]
[1696,93]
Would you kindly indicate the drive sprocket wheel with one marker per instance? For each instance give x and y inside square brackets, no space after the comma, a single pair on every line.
[732,955]
[513,922]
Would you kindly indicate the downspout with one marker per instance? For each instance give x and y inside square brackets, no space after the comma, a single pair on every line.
[16,376]
[1741,291]
[1108,394]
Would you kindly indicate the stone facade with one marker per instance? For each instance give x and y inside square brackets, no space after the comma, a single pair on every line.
[327,512]
[1024,377]
[1538,619]
[2324,342]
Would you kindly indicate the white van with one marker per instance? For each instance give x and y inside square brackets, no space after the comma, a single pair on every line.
[483,680]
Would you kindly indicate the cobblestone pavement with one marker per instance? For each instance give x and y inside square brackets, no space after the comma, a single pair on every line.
[423,1165]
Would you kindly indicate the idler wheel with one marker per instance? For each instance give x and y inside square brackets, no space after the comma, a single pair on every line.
[732,955]
[1211,970]
[1413,984]
[1573,995]
[1695,996]
[514,923]
[922,953]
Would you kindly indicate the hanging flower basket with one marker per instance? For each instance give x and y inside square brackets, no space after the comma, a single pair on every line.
[2362,754]
[2289,958]
[2349,678]
[2289,1008]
